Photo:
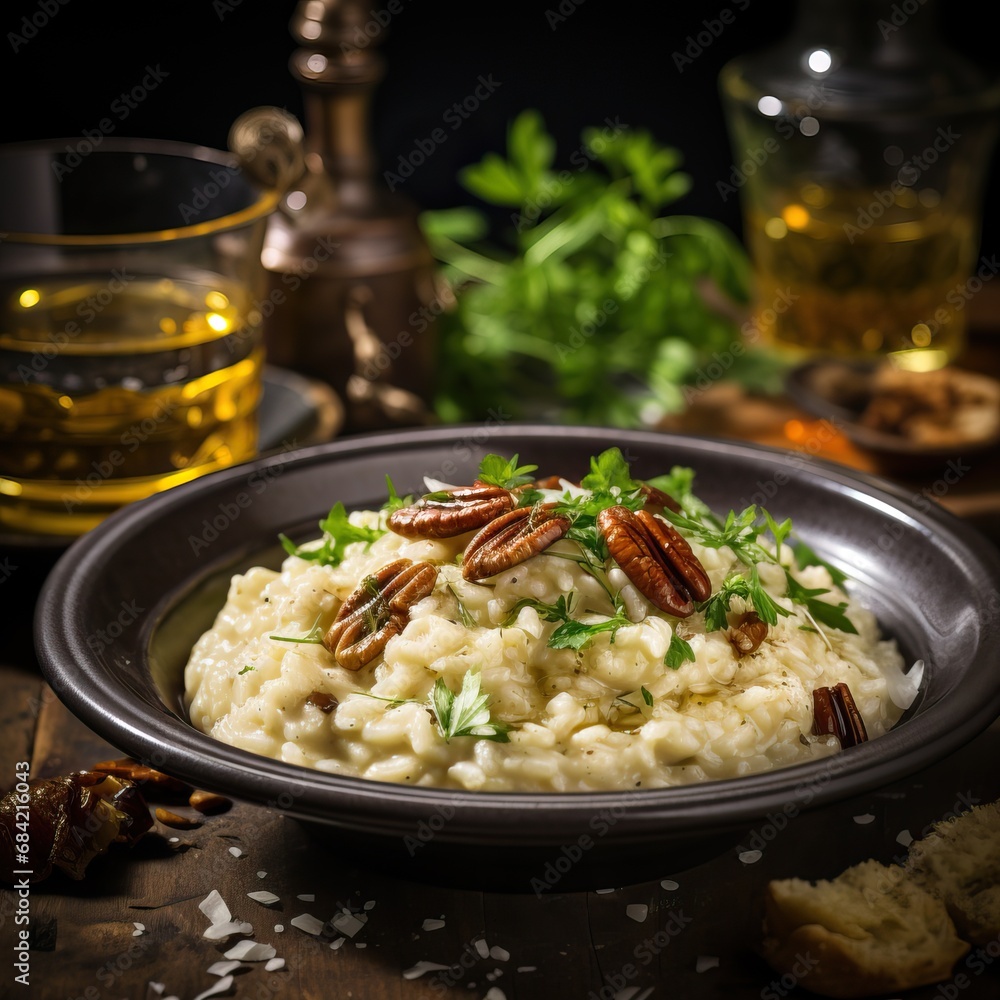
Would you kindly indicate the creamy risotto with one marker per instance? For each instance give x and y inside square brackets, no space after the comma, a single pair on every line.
[558,672]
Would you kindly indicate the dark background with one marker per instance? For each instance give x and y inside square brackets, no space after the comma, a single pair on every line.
[606,59]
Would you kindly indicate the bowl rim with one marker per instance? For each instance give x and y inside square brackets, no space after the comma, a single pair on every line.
[154,733]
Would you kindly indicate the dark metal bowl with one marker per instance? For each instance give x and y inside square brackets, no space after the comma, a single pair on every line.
[122,608]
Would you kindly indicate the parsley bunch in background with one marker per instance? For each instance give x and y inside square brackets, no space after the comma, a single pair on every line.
[598,308]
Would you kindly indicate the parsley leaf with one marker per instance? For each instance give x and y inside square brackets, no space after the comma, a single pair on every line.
[805,556]
[646,696]
[466,713]
[558,612]
[245,670]
[507,474]
[716,608]
[338,533]
[395,501]
[574,634]
[679,652]
[679,484]
[822,611]
[609,471]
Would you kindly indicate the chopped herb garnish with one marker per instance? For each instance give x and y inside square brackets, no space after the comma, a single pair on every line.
[805,556]
[314,635]
[467,619]
[338,533]
[822,611]
[716,608]
[246,670]
[646,696]
[574,634]
[680,652]
[505,473]
[466,713]
[395,501]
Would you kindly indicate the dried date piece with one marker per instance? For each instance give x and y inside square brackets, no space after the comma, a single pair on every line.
[155,784]
[209,803]
[71,820]
[836,714]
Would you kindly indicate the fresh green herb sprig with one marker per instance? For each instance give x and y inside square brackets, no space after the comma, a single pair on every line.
[570,633]
[591,296]
[679,653]
[338,533]
[314,636]
[505,473]
[464,714]
[742,533]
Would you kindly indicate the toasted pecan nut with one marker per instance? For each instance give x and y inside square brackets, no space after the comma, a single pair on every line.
[377,610]
[835,713]
[747,633]
[656,558]
[511,539]
[656,501]
[466,509]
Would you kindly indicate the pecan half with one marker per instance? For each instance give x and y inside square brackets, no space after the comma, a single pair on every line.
[657,501]
[656,558]
[835,712]
[465,509]
[511,539]
[376,610]
[746,634]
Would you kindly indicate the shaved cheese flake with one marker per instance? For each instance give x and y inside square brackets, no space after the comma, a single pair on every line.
[308,923]
[220,987]
[263,896]
[215,908]
[421,969]
[251,951]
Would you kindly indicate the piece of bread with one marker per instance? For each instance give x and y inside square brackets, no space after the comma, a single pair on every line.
[871,930]
[958,862]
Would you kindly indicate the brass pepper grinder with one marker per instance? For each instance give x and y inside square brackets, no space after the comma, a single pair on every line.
[351,279]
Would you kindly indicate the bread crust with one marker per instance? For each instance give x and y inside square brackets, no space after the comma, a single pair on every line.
[866,945]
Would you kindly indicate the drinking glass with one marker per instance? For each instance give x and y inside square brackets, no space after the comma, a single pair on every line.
[130,349]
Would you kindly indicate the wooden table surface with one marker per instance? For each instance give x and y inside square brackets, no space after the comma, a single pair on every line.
[683,933]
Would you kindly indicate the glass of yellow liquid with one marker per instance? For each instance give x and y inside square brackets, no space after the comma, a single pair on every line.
[130,350]
[860,147]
